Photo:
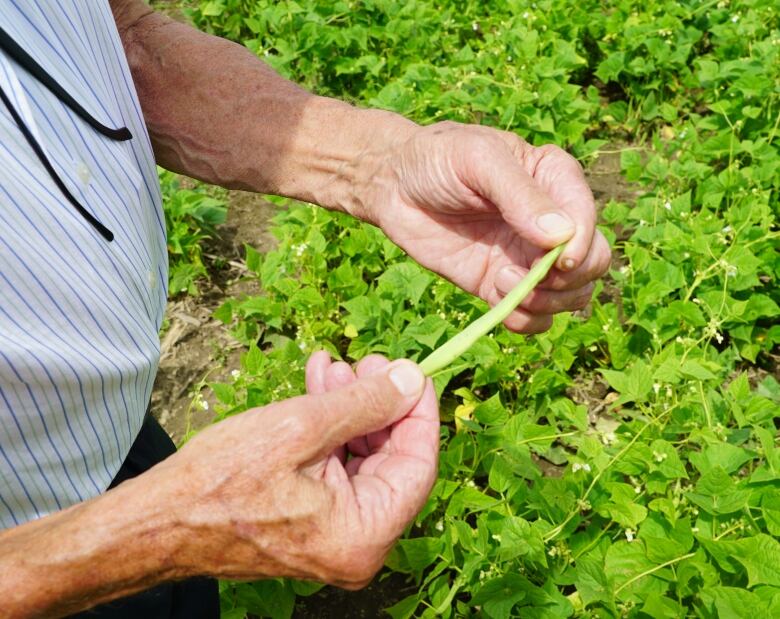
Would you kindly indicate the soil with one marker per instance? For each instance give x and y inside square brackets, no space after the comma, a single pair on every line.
[195,346]
[332,603]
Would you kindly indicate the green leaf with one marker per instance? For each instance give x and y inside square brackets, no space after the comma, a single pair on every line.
[716,492]
[590,578]
[760,555]
[662,607]
[770,510]
[694,369]
[666,460]
[622,506]
[519,538]
[626,566]
[225,393]
[428,331]
[491,412]
[733,603]
[633,385]
[665,541]
[499,595]
[405,608]
[725,455]
[420,552]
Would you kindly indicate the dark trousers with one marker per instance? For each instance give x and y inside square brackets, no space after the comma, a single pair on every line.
[197,598]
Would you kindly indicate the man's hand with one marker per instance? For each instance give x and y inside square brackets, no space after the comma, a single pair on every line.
[267,495]
[479,206]
[261,494]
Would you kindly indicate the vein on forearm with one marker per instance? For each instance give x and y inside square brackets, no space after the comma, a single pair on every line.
[218,113]
[213,110]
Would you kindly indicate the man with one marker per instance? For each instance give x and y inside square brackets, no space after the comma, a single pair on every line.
[88,92]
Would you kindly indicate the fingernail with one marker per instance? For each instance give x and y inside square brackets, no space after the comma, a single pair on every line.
[508,277]
[555,224]
[567,264]
[407,378]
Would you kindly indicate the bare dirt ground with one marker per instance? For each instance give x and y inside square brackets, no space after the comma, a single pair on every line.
[195,345]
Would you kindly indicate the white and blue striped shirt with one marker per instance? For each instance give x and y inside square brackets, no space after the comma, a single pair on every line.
[79,315]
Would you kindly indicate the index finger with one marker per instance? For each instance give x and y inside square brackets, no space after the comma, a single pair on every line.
[562,178]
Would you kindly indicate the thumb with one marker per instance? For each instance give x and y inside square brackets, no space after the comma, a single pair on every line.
[366,405]
[523,204]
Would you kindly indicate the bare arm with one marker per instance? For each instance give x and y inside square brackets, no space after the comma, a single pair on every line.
[218,113]
[260,494]
[116,544]
[472,203]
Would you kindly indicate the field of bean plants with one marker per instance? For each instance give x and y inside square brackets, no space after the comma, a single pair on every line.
[626,463]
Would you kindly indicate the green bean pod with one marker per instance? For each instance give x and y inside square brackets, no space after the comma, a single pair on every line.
[455,347]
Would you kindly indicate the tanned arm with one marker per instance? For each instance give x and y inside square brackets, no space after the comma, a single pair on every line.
[216,112]
[116,544]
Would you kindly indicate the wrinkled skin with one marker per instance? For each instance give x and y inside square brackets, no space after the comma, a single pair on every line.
[464,201]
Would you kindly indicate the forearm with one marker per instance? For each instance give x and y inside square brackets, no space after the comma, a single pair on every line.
[119,543]
[218,113]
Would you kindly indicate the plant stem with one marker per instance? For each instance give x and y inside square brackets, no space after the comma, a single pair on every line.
[455,347]
[653,570]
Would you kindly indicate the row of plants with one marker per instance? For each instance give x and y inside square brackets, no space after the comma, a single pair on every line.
[626,463]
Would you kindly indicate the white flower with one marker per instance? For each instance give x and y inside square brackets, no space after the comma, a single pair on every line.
[659,456]
[439,526]
[734,18]
[475,26]
[656,388]
[668,205]
[235,373]
[630,534]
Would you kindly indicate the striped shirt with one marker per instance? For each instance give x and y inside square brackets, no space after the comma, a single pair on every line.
[79,314]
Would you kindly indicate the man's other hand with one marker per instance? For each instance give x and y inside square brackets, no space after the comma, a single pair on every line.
[479,206]
[270,492]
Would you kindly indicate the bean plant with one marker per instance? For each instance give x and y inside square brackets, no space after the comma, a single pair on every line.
[625,463]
